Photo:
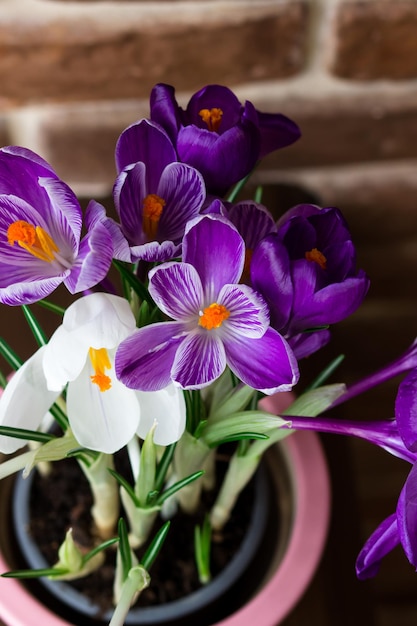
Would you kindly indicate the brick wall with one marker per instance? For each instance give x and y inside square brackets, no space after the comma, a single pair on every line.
[73,74]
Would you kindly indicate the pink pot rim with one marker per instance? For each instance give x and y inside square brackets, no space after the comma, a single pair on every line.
[280,594]
[276,599]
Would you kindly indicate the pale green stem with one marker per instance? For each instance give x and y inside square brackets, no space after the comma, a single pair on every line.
[136,581]
[239,473]
[15,464]
[141,519]
[104,488]
[209,477]
[190,456]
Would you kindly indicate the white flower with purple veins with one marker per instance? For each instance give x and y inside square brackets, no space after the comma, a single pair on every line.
[216,321]
[40,230]
[103,413]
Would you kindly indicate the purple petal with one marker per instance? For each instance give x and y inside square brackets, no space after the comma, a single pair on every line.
[20,170]
[165,110]
[214,96]
[145,141]
[144,360]
[249,314]
[155,252]
[129,193]
[253,221]
[266,364]
[277,131]
[63,212]
[214,247]
[200,359]
[223,159]
[271,276]
[305,344]
[176,289]
[93,261]
[328,305]
[28,292]
[384,539]
[183,190]
[406,410]
[407,516]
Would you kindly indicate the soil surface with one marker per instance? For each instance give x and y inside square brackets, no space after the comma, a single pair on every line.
[62,500]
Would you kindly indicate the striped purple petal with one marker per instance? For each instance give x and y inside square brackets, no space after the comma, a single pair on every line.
[266,363]
[177,290]
[144,360]
[199,360]
[214,247]
[248,312]
[384,539]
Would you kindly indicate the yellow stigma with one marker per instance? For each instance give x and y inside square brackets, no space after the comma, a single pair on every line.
[212,117]
[34,239]
[213,316]
[100,362]
[153,206]
[318,257]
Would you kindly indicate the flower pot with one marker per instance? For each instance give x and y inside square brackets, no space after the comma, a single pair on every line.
[300,477]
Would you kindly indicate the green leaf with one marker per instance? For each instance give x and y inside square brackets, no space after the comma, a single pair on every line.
[163,466]
[9,355]
[202,549]
[35,327]
[326,373]
[258,194]
[124,549]
[51,307]
[28,435]
[155,546]
[177,486]
[34,573]
[314,402]
[126,486]
[133,282]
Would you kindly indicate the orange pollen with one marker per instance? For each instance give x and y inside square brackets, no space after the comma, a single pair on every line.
[153,206]
[100,361]
[318,257]
[213,316]
[34,239]
[211,117]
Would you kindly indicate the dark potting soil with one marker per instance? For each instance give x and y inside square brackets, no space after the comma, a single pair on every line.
[63,500]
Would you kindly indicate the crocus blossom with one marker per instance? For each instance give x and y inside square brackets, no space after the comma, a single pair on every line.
[103,413]
[154,195]
[218,135]
[217,322]
[398,437]
[40,232]
[307,273]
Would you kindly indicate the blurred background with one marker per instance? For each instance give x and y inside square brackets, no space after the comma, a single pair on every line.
[73,75]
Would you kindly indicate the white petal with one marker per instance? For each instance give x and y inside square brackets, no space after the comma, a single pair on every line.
[165,407]
[102,420]
[64,358]
[100,320]
[25,401]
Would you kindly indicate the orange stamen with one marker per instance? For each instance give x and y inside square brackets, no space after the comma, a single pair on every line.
[318,257]
[211,117]
[213,316]
[246,267]
[100,361]
[34,239]
[153,206]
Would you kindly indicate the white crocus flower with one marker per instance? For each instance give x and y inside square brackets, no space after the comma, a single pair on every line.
[25,401]
[103,413]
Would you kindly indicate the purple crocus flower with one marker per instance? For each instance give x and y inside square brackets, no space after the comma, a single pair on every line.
[218,135]
[40,229]
[307,274]
[399,437]
[154,195]
[217,322]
